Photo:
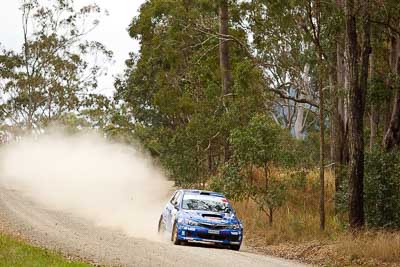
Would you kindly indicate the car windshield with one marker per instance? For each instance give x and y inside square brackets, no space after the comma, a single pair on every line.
[206,203]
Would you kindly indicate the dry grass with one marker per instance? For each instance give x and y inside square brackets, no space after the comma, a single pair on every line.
[290,224]
[296,229]
[379,246]
[297,220]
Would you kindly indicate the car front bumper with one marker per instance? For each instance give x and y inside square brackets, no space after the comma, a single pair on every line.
[202,234]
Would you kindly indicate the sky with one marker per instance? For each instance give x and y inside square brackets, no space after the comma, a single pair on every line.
[112,32]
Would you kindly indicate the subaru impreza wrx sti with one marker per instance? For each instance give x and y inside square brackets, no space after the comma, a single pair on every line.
[201,216]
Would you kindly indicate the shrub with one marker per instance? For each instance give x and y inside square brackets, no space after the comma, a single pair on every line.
[230,182]
[382,189]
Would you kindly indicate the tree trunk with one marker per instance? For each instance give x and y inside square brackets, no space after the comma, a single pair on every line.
[344,107]
[358,86]
[374,116]
[224,48]
[266,173]
[392,136]
[224,62]
[332,127]
[270,217]
[365,58]
[321,157]
[339,122]
[26,10]
[300,119]
[299,122]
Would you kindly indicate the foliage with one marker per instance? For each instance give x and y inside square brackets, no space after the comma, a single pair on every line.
[270,198]
[298,180]
[377,91]
[258,142]
[231,182]
[382,189]
[261,144]
[53,71]
[174,91]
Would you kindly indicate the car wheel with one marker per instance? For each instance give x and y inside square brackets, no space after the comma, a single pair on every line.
[235,247]
[174,235]
[161,225]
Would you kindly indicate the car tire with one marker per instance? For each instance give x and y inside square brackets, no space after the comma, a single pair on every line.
[161,225]
[174,235]
[235,247]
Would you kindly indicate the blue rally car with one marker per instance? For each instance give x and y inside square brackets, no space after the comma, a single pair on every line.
[201,216]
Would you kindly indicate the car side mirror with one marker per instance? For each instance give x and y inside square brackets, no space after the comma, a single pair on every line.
[175,204]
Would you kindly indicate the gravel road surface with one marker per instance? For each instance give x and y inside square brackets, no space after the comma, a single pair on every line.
[78,237]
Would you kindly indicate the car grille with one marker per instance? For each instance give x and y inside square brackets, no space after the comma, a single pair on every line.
[214,226]
[218,237]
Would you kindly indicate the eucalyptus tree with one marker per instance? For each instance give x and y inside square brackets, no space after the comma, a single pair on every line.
[173,87]
[292,45]
[391,22]
[262,144]
[226,77]
[358,78]
[53,71]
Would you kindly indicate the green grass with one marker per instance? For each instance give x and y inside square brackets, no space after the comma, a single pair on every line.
[16,253]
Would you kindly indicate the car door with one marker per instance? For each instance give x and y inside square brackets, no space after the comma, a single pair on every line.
[169,208]
[173,210]
[176,206]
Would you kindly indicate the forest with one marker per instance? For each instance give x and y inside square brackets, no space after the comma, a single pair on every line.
[291,108]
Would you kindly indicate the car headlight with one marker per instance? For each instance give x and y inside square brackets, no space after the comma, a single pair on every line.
[191,222]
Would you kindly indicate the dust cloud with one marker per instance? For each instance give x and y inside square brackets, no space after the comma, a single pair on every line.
[111,184]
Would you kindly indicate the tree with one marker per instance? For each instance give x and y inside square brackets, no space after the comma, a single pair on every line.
[313,28]
[358,77]
[224,48]
[172,89]
[286,58]
[224,58]
[392,135]
[52,73]
[260,144]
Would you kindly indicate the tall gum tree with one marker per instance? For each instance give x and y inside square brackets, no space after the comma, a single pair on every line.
[392,136]
[53,72]
[226,76]
[358,77]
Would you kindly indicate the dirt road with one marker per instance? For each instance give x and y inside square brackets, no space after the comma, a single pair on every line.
[78,237]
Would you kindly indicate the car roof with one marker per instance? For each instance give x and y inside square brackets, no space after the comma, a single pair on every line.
[201,192]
